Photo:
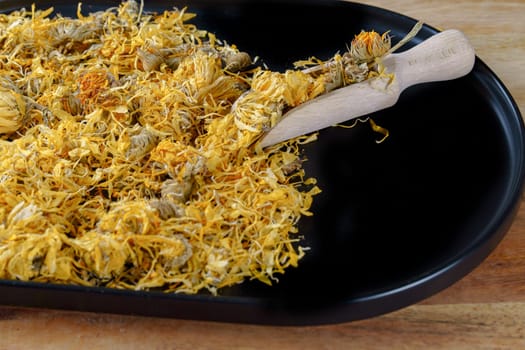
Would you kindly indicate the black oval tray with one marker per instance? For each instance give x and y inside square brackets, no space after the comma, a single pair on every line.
[396,222]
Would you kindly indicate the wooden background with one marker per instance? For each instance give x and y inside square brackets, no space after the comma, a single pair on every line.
[485,310]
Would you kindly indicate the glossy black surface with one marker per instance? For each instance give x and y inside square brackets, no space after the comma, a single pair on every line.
[396,222]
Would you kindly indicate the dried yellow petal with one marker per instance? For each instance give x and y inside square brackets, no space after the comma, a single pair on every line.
[129,154]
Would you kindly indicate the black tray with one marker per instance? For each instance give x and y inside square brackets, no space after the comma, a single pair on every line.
[396,223]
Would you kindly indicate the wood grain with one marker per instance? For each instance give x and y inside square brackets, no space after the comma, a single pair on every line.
[459,326]
[485,310]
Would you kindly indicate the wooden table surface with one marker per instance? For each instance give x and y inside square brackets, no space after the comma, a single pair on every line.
[485,310]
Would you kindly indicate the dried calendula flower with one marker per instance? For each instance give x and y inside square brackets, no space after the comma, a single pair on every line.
[150,57]
[236,61]
[369,45]
[12,111]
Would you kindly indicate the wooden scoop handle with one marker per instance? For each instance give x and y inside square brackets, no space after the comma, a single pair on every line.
[445,56]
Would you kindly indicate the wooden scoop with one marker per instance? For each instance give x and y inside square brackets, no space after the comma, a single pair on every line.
[445,56]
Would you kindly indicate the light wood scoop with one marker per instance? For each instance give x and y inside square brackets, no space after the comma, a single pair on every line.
[445,56]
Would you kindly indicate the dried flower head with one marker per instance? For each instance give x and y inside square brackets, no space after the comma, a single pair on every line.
[367,46]
[237,61]
[150,57]
[12,111]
